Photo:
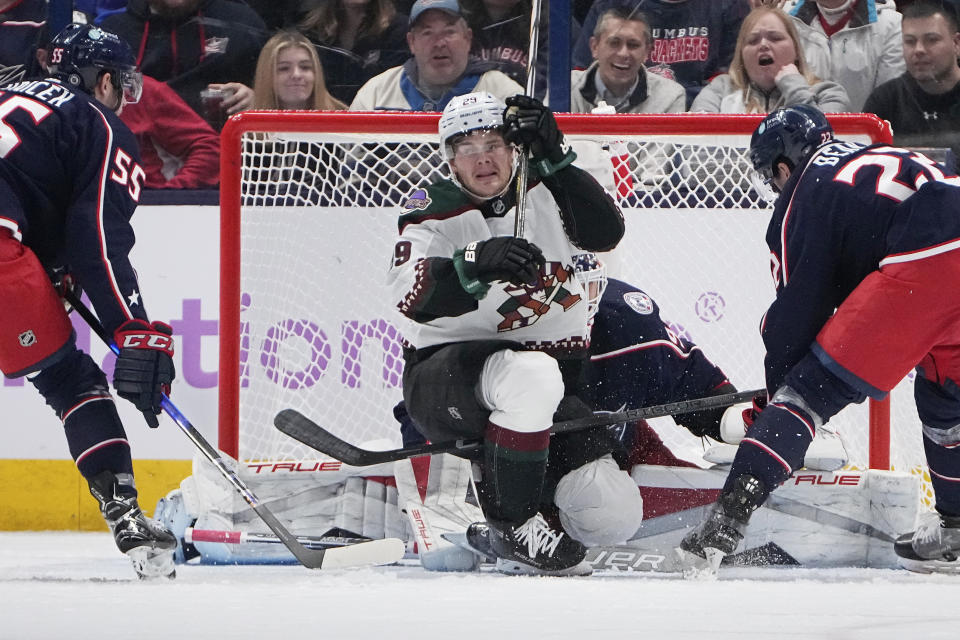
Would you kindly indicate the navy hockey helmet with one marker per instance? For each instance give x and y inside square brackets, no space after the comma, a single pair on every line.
[789,135]
[81,53]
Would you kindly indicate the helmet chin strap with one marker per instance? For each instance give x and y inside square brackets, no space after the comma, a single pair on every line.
[506,187]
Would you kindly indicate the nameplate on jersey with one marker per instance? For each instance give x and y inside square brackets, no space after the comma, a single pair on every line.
[52,93]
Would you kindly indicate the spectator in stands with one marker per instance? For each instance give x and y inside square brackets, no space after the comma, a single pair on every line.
[619,45]
[178,149]
[855,43]
[769,71]
[292,171]
[21,26]
[289,76]
[501,35]
[440,68]
[693,40]
[190,44]
[357,40]
[923,104]
[282,14]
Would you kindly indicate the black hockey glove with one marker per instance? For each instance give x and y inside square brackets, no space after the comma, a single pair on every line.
[145,365]
[512,260]
[527,122]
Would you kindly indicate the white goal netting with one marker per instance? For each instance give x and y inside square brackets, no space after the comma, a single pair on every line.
[310,203]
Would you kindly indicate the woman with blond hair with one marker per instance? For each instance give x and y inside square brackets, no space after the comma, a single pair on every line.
[289,76]
[287,169]
[768,71]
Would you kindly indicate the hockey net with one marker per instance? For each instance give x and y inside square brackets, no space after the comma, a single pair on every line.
[309,203]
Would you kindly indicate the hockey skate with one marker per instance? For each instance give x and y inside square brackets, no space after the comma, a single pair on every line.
[702,550]
[149,544]
[530,548]
[933,548]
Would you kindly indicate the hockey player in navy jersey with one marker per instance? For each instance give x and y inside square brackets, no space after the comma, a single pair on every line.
[70,179]
[865,254]
[495,321]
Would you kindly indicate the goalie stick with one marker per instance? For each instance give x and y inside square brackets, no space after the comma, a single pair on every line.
[299,427]
[374,552]
[335,537]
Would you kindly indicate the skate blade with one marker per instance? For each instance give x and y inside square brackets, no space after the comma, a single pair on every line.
[152,564]
[951,567]
[514,568]
[695,567]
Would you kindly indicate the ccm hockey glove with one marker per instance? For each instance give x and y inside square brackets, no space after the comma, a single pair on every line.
[144,368]
[527,122]
[512,260]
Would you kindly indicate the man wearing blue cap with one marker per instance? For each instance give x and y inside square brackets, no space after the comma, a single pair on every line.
[440,69]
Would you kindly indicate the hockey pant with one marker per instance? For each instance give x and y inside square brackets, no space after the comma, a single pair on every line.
[34,328]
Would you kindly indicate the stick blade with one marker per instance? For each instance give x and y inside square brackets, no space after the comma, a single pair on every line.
[364,554]
[304,430]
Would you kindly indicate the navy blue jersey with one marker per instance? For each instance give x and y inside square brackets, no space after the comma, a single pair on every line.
[637,361]
[70,178]
[852,210]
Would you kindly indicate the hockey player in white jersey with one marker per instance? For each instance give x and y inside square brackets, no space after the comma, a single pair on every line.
[498,324]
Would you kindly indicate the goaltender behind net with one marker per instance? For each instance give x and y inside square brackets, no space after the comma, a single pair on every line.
[499,323]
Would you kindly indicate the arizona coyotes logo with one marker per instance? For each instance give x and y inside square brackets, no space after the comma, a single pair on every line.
[526,305]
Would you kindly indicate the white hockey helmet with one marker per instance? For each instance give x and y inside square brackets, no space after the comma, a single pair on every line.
[466,113]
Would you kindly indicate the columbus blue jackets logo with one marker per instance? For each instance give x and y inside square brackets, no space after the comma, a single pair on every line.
[527,304]
[417,200]
[639,302]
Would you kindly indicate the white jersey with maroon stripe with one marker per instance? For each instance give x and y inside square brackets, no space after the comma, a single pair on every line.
[439,220]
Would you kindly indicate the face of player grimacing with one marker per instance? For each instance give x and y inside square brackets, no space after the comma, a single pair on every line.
[930,51]
[294,79]
[619,51]
[483,162]
[767,48]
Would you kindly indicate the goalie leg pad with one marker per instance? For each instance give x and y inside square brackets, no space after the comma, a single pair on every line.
[599,503]
[34,329]
[438,499]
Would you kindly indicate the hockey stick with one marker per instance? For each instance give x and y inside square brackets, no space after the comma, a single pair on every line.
[301,428]
[367,553]
[335,537]
[523,170]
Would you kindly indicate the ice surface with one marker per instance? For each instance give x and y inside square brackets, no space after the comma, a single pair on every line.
[76,586]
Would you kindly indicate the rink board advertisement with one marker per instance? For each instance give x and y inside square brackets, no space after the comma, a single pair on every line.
[706,268]
[177,261]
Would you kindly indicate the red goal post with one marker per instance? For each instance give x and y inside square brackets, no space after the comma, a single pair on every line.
[308,208]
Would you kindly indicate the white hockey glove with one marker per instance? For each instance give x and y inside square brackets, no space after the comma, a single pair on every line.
[826,453]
